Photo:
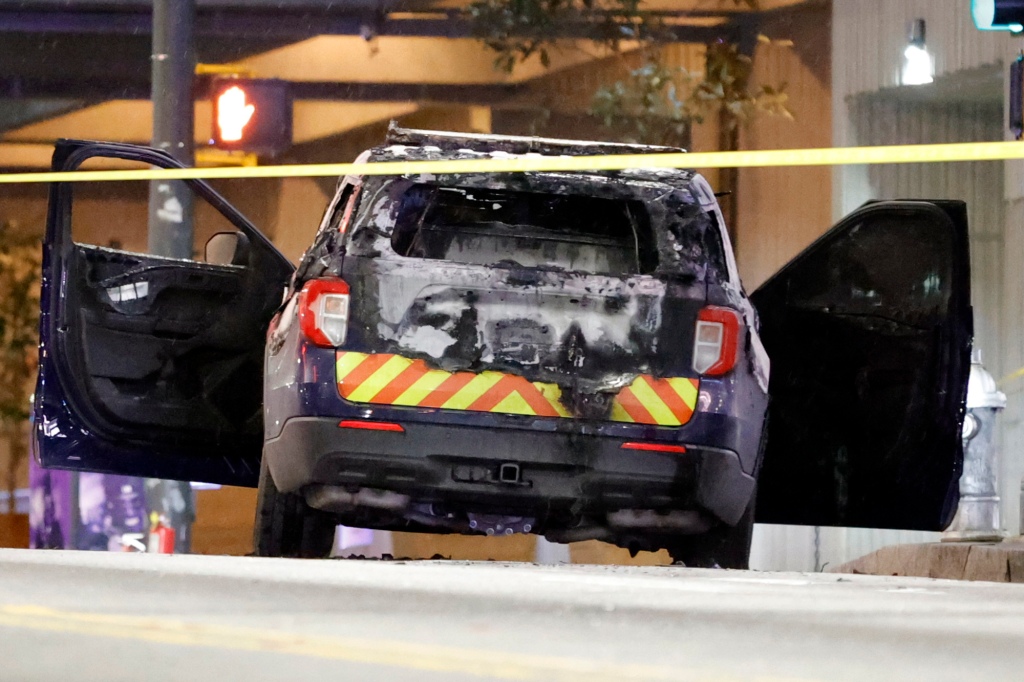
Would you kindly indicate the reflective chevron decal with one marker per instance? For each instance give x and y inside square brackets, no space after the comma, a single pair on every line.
[382,379]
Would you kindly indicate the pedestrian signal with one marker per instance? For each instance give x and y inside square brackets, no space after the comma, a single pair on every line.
[252,115]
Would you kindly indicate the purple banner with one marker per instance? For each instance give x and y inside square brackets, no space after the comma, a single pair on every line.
[50,511]
[113,513]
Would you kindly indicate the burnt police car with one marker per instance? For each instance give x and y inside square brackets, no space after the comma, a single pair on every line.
[566,354]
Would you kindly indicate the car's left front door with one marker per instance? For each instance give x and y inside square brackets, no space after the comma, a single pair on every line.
[150,366]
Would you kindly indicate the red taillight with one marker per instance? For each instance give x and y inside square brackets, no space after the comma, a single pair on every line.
[323,311]
[655,447]
[716,341]
[372,426]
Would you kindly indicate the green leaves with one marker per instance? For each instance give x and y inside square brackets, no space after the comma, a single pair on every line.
[20,264]
[658,104]
[727,86]
[647,106]
[517,30]
[655,103]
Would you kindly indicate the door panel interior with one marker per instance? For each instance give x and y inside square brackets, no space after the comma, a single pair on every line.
[163,343]
[152,364]
[869,334]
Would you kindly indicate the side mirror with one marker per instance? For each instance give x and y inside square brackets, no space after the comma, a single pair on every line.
[227,248]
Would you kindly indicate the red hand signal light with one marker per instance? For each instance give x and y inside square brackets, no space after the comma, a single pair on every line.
[252,115]
[233,114]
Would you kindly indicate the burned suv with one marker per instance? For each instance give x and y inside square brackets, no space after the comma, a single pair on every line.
[569,354]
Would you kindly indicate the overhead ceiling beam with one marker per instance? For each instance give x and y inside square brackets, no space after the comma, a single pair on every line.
[99,89]
[287,24]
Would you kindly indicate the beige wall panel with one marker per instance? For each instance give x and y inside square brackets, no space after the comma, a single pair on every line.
[597,552]
[314,120]
[224,521]
[391,59]
[24,204]
[14,531]
[464,547]
[782,210]
[13,155]
[113,121]
[300,206]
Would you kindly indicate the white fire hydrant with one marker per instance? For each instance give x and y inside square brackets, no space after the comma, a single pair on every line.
[977,518]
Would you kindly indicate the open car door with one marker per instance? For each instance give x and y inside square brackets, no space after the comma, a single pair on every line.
[151,366]
[869,333]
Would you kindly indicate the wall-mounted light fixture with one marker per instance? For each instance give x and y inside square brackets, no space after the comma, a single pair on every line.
[918,65]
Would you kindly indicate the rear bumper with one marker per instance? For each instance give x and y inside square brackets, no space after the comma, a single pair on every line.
[557,471]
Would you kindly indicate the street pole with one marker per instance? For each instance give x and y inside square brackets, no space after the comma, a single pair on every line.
[170,202]
[173,68]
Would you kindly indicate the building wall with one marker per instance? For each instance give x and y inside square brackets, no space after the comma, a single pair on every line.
[782,210]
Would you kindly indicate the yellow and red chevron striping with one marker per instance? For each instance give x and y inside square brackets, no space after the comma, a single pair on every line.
[382,379]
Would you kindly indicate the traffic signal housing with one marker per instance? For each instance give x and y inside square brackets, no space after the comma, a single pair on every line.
[998,15]
[252,115]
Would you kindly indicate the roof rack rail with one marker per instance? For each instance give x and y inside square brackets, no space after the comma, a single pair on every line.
[514,144]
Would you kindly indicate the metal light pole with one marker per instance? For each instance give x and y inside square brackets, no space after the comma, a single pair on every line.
[170,202]
[173,66]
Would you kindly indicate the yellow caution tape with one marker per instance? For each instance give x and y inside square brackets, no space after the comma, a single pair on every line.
[1010,377]
[836,156]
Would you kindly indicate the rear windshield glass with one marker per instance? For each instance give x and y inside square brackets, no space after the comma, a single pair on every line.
[530,229]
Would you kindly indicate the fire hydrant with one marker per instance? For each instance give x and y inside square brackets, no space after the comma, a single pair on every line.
[977,518]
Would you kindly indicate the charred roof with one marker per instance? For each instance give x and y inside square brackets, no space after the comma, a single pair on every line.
[404,144]
[515,144]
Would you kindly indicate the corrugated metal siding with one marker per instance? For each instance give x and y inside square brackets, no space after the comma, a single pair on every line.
[881,120]
[869,37]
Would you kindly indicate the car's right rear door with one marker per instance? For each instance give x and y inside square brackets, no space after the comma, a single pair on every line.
[869,333]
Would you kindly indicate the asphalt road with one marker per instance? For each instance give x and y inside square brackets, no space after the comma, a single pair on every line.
[71,617]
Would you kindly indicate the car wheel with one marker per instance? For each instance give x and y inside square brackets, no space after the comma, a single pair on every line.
[288,527]
[720,547]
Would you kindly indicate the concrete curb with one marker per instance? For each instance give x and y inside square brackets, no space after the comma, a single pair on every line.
[993,562]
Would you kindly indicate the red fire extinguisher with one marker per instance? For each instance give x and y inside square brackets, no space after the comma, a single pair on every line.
[161,536]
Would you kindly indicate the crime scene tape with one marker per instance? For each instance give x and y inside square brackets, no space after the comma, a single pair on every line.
[1013,376]
[834,156]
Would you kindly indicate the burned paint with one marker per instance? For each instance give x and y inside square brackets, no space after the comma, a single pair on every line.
[590,332]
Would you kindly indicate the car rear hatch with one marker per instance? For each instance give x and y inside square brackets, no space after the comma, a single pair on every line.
[553,298]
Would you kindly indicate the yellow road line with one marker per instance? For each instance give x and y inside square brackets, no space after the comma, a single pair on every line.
[395,654]
[837,156]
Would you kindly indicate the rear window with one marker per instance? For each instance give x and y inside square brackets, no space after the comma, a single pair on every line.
[499,227]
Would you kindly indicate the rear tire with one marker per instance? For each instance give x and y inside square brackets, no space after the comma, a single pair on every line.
[721,547]
[724,546]
[288,527]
